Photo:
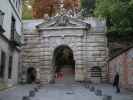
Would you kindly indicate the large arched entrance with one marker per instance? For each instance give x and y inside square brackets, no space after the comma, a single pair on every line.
[63,63]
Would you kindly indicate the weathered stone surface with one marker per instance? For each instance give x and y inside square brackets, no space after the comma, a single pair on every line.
[89,47]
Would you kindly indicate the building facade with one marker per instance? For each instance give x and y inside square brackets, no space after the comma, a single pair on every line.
[10,35]
[123,64]
[87,41]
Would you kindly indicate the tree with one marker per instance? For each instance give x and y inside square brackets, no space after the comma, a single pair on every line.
[40,7]
[71,4]
[118,14]
[27,9]
[87,6]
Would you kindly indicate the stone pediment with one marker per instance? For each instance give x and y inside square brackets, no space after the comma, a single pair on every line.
[62,21]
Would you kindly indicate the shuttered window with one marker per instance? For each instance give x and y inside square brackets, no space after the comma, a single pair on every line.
[10,67]
[2,66]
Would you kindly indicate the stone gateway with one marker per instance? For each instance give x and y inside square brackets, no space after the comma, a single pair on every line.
[86,39]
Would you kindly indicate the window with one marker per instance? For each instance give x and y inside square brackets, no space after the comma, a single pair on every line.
[13,28]
[10,67]
[1,21]
[96,71]
[1,17]
[2,66]
[19,5]
[16,4]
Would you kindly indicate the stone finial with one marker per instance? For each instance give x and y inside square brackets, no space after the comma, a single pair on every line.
[46,16]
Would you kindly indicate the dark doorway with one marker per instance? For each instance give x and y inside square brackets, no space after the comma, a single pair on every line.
[64,62]
[96,74]
[96,71]
[31,75]
[2,65]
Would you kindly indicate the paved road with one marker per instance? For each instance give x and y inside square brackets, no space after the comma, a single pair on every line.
[79,92]
[15,93]
[66,91]
[109,90]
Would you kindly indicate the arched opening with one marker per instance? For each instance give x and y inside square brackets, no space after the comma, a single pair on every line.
[64,63]
[96,74]
[31,75]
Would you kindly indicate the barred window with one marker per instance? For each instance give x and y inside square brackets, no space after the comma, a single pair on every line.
[96,71]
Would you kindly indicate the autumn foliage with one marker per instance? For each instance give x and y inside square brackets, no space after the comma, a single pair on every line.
[41,7]
[70,4]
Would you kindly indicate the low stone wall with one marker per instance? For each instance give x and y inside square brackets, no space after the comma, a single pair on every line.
[123,63]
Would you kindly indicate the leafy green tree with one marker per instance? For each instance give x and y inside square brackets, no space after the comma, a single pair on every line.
[27,9]
[87,7]
[118,13]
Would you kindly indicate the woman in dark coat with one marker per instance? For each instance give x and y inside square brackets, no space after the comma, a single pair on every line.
[116,82]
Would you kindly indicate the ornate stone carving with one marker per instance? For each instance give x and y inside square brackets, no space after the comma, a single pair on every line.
[62,21]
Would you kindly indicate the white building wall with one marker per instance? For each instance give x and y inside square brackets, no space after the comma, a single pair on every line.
[15,64]
[6,7]
[4,47]
[9,9]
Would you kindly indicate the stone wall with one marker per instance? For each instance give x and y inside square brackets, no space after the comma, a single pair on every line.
[89,49]
[51,40]
[30,51]
[123,64]
[96,53]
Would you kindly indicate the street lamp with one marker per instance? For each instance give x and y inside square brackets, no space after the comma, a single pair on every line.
[1,21]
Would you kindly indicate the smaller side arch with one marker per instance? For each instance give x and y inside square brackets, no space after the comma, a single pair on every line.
[96,71]
[31,75]
[96,74]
